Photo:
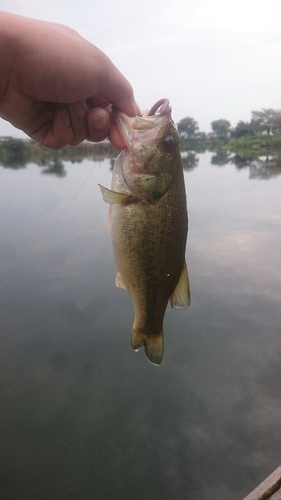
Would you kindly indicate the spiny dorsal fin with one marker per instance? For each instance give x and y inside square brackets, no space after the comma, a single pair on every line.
[180,299]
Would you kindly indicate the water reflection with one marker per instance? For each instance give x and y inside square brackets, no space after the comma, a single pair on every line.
[189,160]
[55,167]
[16,154]
[220,158]
[82,416]
[260,167]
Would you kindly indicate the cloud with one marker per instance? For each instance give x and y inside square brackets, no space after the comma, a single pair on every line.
[211,59]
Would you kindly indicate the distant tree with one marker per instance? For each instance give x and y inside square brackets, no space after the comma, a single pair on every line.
[277,123]
[13,153]
[266,121]
[242,128]
[188,128]
[201,135]
[221,128]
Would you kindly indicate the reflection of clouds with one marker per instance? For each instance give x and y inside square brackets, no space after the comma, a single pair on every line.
[201,427]
[264,412]
[236,289]
[250,259]
[82,413]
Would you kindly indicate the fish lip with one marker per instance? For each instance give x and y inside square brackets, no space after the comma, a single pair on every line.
[138,129]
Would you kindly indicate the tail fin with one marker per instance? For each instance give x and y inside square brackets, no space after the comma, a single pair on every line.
[153,345]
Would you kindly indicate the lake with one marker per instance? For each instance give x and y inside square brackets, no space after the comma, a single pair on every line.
[85,417]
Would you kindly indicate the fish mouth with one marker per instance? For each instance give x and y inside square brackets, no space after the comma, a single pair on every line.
[143,128]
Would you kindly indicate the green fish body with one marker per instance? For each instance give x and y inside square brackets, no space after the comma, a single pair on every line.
[148,220]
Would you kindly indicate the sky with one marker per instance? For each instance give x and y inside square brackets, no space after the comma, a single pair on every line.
[211,59]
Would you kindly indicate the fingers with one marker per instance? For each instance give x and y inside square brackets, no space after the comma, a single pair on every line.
[78,112]
[61,126]
[101,124]
[115,137]
[98,121]
[56,133]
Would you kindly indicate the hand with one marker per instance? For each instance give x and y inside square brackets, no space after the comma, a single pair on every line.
[57,87]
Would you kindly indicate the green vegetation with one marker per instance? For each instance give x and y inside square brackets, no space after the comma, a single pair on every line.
[17,153]
[258,143]
[255,144]
[263,132]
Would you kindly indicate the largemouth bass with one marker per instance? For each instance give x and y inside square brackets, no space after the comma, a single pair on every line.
[148,222]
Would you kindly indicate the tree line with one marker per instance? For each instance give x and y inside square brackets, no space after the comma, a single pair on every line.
[17,153]
[263,131]
[265,121]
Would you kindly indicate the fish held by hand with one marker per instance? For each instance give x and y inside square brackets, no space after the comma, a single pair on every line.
[148,222]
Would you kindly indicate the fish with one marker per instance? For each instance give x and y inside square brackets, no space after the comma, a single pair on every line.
[149,223]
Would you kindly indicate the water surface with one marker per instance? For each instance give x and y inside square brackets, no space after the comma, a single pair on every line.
[82,415]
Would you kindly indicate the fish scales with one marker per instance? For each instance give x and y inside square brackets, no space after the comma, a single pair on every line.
[150,261]
[149,233]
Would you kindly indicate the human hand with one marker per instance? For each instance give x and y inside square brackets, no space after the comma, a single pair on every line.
[57,87]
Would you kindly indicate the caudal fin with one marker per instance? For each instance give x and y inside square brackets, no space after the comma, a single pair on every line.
[153,345]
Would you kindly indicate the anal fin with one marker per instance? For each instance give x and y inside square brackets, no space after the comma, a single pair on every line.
[180,298]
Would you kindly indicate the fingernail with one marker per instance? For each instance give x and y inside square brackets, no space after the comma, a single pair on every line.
[65,117]
[100,122]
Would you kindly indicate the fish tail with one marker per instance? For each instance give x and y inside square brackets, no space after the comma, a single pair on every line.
[153,345]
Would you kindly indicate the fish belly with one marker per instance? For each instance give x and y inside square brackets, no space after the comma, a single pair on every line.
[149,248]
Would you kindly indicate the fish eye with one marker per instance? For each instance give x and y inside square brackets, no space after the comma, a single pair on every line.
[168,143]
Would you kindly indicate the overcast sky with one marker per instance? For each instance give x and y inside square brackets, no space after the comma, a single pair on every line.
[211,59]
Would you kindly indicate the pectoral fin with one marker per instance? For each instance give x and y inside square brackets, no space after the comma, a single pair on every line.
[119,281]
[181,295]
[113,197]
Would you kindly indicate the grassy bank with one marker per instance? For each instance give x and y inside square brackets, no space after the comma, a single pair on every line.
[254,143]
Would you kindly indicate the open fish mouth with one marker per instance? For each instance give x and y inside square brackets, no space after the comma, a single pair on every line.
[144,127]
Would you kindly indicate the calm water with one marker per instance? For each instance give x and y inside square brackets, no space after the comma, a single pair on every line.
[85,417]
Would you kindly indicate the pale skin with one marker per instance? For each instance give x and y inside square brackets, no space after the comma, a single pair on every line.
[56,87]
